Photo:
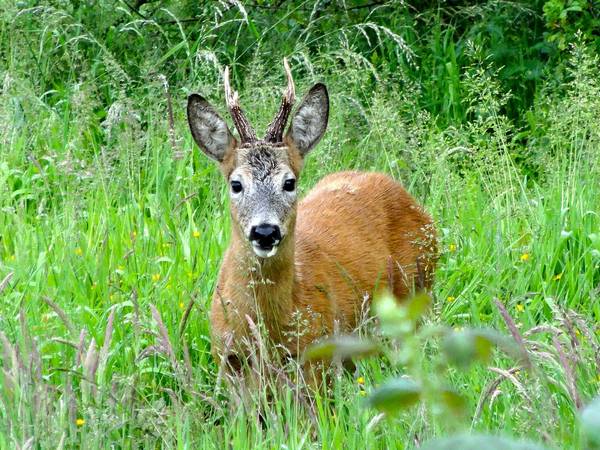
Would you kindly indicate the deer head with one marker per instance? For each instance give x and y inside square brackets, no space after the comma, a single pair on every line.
[261,173]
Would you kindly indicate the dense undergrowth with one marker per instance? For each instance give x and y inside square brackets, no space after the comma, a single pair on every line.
[112,224]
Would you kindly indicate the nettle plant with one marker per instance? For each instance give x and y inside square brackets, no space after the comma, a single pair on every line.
[431,356]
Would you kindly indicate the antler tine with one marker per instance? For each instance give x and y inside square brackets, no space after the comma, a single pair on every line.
[275,129]
[242,124]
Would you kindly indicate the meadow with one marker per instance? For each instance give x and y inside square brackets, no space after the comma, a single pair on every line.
[113,224]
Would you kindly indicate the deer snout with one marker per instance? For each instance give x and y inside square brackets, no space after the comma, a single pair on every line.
[265,236]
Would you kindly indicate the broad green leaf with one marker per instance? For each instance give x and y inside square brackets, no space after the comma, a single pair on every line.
[395,395]
[344,347]
[480,442]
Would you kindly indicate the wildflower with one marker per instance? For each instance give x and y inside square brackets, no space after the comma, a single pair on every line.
[450,299]
[363,393]
[181,305]
[458,329]
[557,277]
[156,277]
[13,257]
[80,422]
[520,307]
[78,251]
[452,247]
[196,234]
[120,268]
[133,235]
[525,257]
[360,380]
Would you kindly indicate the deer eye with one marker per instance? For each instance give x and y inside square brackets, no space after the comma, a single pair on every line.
[236,187]
[289,185]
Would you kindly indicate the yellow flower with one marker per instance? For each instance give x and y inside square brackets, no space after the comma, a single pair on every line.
[181,305]
[452,247]
[156,277]
[450,299]
[196,234]
[133,234]
[557,277]
[80,422]
[520,307]
[458,329]
[166,245]
[363,393]
[525,257]
[13,257]
[78,251]
[120,268]
[360,380]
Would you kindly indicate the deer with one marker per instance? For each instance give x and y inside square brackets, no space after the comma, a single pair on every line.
[302,268]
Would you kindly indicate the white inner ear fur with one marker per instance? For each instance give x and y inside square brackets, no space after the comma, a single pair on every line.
[308,125]
[213,133]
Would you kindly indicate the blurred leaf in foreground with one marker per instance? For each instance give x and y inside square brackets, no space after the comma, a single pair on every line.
[344,347]
[465,347]
[395,395]
[479,442]
[400,318]
[590,423]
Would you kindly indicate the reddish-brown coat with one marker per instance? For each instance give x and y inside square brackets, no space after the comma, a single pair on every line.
[347,229]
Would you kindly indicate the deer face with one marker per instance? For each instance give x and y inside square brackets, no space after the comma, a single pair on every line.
[261,173]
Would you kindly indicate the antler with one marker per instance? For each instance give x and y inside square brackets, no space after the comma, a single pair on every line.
[275,129]
[244,128]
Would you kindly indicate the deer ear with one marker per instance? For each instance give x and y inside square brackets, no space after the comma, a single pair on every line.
[310,121]
[208,128]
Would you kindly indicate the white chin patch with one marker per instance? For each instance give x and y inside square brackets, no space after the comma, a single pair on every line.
[264,253]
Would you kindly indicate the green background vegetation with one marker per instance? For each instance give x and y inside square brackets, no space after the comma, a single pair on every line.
[488,112]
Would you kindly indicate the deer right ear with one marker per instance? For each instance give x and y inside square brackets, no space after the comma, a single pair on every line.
[208,128]
[310,121]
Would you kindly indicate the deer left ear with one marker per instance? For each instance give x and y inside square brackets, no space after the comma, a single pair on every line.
[310,121]
[208,129]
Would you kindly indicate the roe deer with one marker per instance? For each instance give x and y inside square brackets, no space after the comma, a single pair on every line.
[309,263]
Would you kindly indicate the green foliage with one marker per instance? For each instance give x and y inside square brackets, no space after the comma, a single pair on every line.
[566,18]
[112,224]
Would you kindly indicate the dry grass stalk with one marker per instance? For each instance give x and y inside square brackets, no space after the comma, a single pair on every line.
[487,393]
[186,315]
[5,282]
[514,331]
[60,313]
[165,342]
[569,375]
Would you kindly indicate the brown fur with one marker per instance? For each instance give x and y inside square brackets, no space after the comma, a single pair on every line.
[346,230]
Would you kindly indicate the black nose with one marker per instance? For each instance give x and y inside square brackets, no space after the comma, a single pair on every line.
[265,235]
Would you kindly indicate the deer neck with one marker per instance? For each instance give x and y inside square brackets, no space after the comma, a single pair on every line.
[268,283]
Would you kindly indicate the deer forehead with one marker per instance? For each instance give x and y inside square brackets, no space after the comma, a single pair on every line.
[262,162]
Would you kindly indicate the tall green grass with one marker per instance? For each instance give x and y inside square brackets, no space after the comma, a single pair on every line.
[104,217]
